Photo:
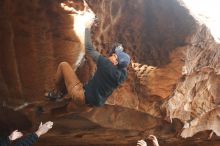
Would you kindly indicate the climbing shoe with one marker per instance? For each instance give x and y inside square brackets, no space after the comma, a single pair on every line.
[54,95]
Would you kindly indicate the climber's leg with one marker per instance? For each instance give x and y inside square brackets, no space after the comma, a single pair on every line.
[75,90]
[59,77]
[73,85]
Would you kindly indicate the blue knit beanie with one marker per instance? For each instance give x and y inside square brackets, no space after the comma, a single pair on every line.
[123,58]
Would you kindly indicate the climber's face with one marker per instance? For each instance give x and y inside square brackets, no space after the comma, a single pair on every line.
[114,59]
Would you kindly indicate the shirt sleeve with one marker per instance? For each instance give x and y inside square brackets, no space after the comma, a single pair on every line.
[4,141]
[27,141]
[103,62]
[89,47]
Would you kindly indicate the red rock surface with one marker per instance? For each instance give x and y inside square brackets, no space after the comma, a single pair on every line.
[174,72]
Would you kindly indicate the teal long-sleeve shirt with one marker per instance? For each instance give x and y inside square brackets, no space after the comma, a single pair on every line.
[106,78]
[27,141]
[89,47]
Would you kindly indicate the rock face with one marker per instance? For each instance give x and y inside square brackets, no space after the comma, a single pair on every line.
[196,98]
[174,72]
[35,37]
[155,39]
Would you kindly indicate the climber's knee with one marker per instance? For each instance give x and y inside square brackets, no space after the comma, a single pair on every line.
[63,64]
[77,94]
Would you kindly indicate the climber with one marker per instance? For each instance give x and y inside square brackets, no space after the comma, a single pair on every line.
[150,137]
[110,73]
[27,141]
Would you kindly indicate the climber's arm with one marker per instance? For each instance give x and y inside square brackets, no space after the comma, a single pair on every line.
[28,141]
[89,47]
[4,141]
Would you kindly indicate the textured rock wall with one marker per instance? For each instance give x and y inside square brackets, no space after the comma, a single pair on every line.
[191,72]
[35,37]
[195,100]
[174,71]
[154,33]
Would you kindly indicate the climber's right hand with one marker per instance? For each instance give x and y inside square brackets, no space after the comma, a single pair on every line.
[89,18]
[44,128]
